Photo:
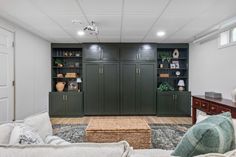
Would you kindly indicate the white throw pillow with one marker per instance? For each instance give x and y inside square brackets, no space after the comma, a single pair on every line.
[23,134]
[5,132]
[40,122]
[55,140]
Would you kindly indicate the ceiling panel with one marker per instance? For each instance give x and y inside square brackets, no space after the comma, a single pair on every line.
[101,7]
[181,19]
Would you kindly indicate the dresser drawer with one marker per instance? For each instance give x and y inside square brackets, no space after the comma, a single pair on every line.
[224,109]
[213,108]
[205,106]
[196,103]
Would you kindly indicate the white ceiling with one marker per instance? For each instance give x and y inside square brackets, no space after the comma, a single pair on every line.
[118,20]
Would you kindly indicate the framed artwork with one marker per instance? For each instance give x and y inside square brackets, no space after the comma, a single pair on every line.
[72,86]
[176,64]
[172,66]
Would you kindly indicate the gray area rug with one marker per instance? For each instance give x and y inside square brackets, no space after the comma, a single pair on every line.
[164,136]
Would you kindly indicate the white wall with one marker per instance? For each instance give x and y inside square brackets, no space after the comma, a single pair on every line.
[212,69]
[32,71]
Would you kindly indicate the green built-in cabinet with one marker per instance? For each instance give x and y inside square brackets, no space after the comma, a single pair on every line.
[101,88]
[66,104]
[174,103]
[138,88]
[120,79]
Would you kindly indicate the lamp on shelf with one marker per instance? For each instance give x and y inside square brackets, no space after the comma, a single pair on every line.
[181,85]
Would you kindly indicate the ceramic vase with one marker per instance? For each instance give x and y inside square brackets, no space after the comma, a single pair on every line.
[60,86]
[234,95]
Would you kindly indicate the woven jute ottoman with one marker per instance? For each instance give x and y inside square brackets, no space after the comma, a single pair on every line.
[133,130]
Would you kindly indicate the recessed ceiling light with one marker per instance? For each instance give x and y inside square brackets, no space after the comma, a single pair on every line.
[80,33]
[161,33]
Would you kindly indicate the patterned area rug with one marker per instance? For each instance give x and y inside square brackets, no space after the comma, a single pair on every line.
[164,136]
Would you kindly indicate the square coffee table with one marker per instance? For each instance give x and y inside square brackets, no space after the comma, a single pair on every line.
[133,130]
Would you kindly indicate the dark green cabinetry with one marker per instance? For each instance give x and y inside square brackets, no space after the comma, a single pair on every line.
[129,91]
[147,84]
[100,52]
[174,103]
[101,87]
[138,52]
[66,104]
[138,88]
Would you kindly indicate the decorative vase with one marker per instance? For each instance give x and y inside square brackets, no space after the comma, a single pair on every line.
[234,95]
[60,86]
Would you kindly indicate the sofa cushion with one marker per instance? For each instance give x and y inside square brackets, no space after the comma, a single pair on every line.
[151,153]
[23,134]
[55,140]
[40,122]
[120,149]
[228,154]
[214,134]
[203,117]
[5,132]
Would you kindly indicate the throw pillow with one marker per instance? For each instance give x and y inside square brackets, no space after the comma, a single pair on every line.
[40,122]
[55,140]
[5,132]
[212,135]
[23,134]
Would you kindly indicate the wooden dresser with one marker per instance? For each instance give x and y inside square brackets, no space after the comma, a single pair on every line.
[212,106]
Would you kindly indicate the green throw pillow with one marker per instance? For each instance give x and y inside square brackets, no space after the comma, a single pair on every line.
[212,135]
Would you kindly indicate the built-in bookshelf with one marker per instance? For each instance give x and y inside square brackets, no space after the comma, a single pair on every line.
[67,67]
[172,65]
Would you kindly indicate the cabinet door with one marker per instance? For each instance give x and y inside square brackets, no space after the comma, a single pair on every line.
[74,104]
[128,88]
[110,88]
[183,103]
[147,52]
[91,52]
[129,53]
[147,88]
[110,52]
[92,88]
[165,103]
[56,104]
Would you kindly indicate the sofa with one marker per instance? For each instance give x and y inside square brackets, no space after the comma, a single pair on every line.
[50,145]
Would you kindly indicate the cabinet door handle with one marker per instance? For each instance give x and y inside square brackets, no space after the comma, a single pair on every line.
[137,70]
[66,97]
[102,70]
[139,55]
[173,97]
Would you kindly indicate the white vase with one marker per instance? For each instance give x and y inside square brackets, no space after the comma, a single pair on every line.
[234,95]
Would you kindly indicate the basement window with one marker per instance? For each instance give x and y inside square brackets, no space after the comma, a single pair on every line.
[233,35]
[224,38]
[227,38]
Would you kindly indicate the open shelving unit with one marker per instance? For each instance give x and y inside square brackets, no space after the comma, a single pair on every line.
[164,67]
[70,61]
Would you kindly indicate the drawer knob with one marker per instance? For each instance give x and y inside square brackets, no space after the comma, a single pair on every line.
[203,105]
[213,108]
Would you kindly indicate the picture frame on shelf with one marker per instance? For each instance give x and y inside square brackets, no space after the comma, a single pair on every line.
[176,64]
[172,66]
[72,86]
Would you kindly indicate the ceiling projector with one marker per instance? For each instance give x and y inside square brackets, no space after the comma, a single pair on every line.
[91,29]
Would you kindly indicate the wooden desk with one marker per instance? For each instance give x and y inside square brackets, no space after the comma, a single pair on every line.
[212,106]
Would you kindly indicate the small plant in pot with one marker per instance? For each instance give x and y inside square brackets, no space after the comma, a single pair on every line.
[58,63]
[165,87]
[165,57]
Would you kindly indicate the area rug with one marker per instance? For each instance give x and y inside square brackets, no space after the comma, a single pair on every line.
[164,136]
